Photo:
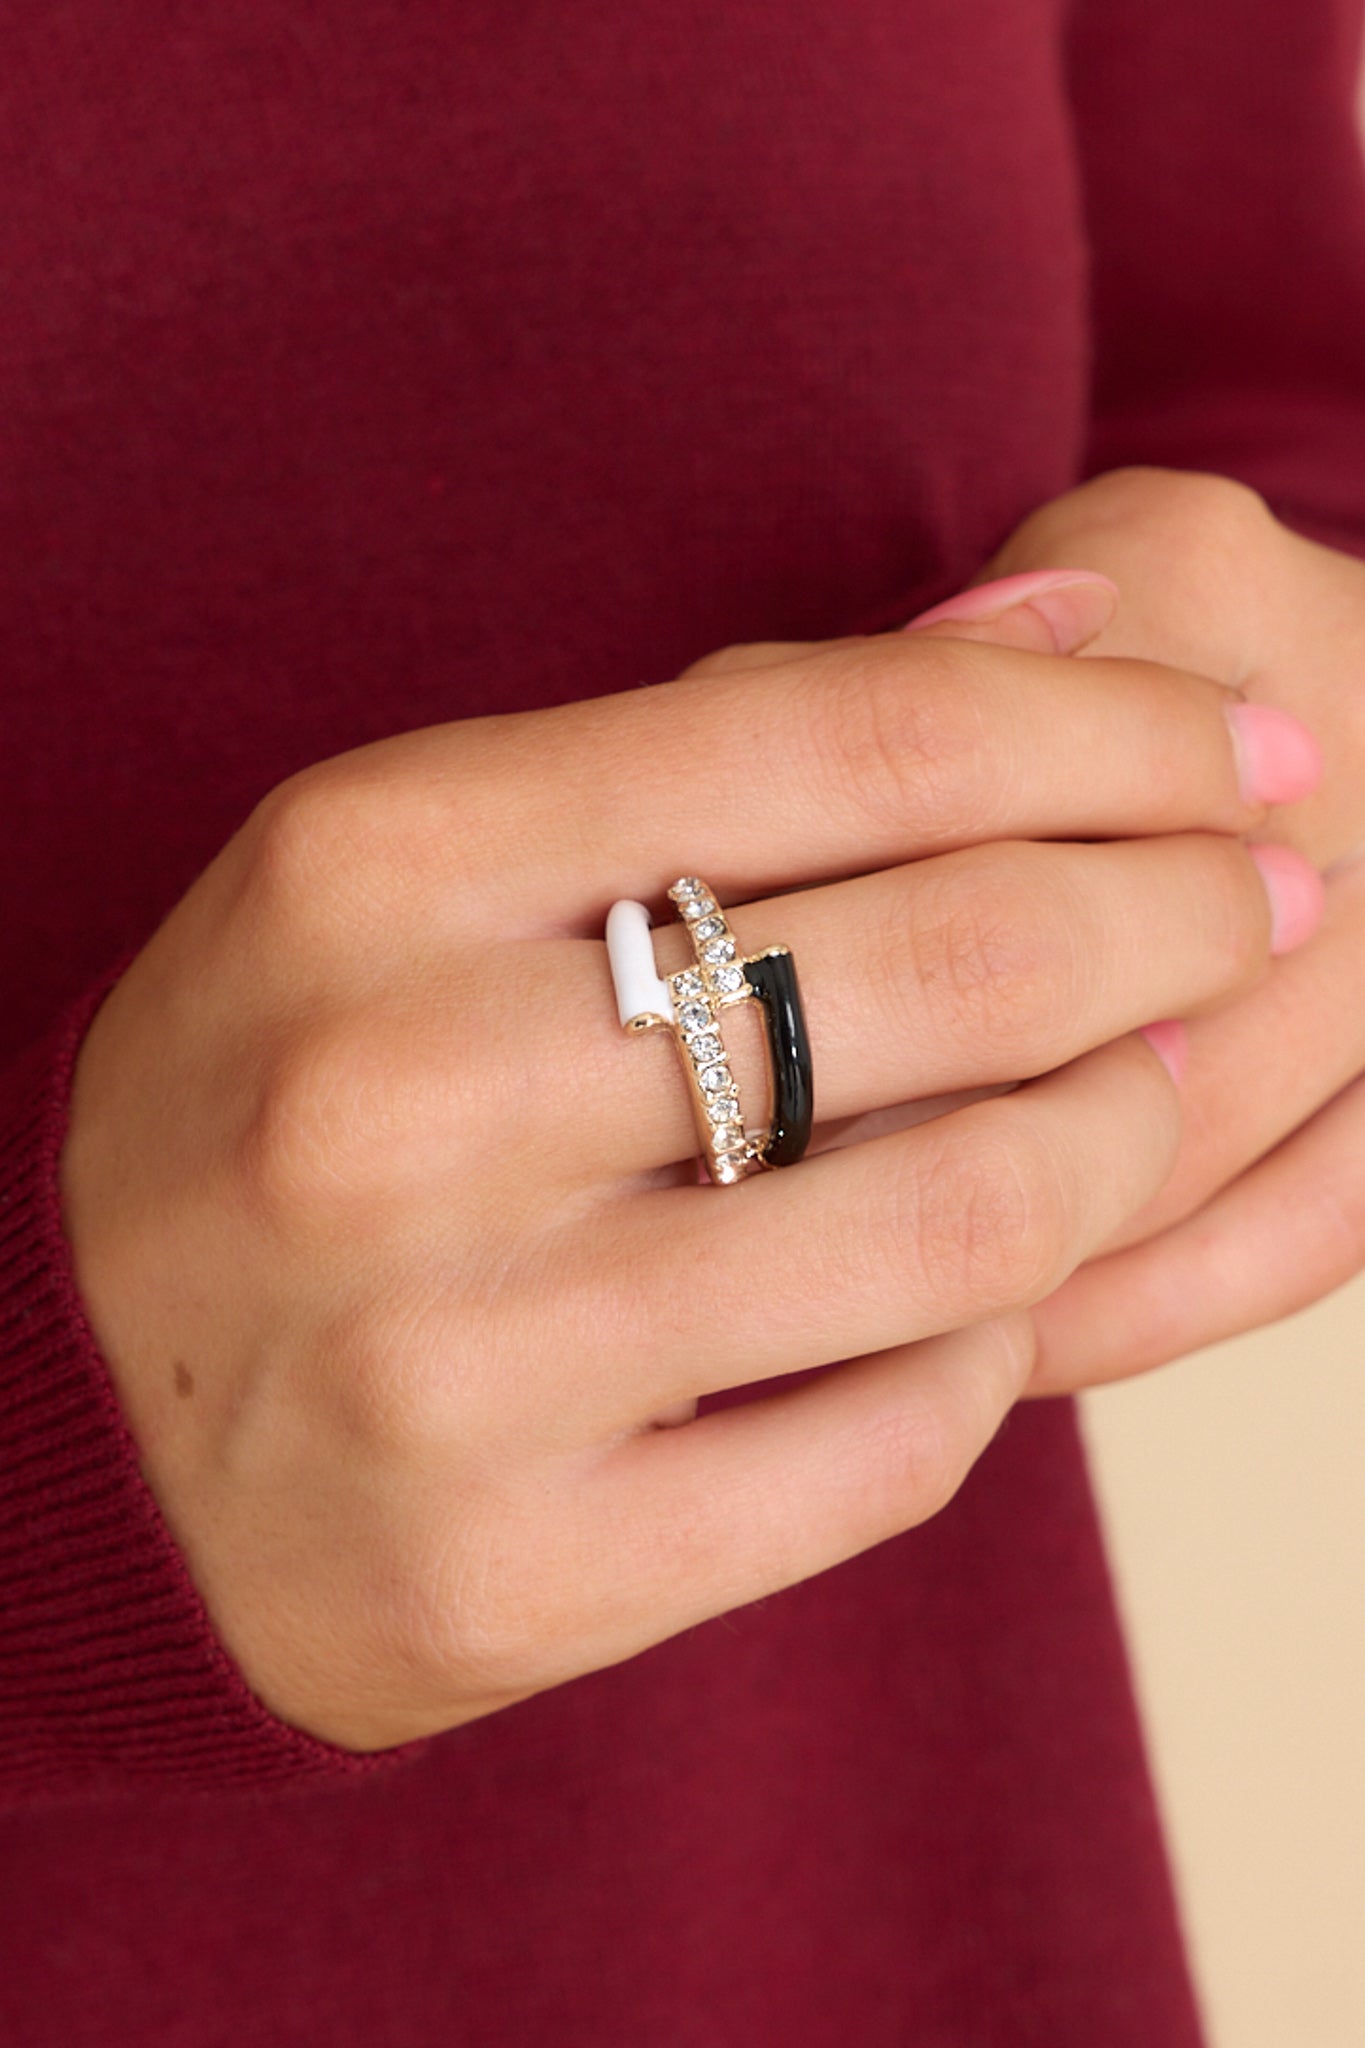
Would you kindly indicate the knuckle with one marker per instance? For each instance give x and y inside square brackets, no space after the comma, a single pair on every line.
[1204,520]
[301,832]
[1192,513]
[1211,523]
[484,1618]
[464,1599]
[912,1462]
[298,860]
[1129,497]
[992,1226]
[1201,497]
[991,953]
[395,1377]
[903,745]
[321,1119]
[342,845]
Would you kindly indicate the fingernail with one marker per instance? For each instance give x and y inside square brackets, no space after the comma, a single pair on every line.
[1278,760]
[1074,604]
[1170,1042]
[1296,894]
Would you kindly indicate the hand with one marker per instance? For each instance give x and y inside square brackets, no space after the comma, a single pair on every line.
[1265,1211]
[1211,581]
[391,1238]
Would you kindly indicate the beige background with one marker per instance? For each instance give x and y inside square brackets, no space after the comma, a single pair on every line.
[1233,1487]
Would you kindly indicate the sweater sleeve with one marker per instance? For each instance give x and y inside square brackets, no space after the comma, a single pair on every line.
[111,1677]
[1222,167]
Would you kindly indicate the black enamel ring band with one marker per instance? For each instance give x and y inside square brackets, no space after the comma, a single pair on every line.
[692,1004]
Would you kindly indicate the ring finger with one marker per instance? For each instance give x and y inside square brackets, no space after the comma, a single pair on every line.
[982,966]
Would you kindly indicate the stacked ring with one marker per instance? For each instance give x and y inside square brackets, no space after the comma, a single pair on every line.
[691,1004]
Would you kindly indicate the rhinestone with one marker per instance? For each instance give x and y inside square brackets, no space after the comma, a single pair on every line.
[687,886]
[723,1112]
[705,1047]
[695,1017]
[687,984]
[728,980]
[716,951]
[696,906]
[727,1137]
[715,1079]
[728,1170]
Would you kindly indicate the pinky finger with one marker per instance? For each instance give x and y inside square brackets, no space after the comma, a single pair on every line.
[1278,1238]
[752,1498]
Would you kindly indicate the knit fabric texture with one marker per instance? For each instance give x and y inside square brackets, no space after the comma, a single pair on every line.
[380,362]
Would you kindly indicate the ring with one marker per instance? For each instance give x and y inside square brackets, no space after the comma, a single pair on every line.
[691,1004]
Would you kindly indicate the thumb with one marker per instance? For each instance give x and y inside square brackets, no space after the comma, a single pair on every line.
[1053,611]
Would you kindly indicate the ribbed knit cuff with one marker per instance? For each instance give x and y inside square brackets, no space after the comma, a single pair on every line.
[110,1673]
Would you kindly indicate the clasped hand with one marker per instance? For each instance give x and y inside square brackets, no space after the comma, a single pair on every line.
[1264,1211]
[392,1240]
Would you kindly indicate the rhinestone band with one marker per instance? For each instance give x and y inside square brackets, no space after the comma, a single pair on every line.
[691,1003]
[699,995]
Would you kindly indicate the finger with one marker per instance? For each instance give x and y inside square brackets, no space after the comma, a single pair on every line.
[1052,612]
[973,969]
[747,1500]
[836,764]
[1300,1032]
[1279,760]
[1056,611]
[756,654]
[1194,557]
[1280,1237]
[876,1245]
[1212,582]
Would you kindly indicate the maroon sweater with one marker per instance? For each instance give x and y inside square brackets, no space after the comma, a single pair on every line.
[373,362]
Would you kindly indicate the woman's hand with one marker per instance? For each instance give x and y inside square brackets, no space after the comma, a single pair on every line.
[1265,1211]
[391,1237]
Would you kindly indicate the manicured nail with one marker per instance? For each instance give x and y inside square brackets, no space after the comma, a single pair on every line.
[1074,604]
[1278,760]
[1296,894]
[1170,1042]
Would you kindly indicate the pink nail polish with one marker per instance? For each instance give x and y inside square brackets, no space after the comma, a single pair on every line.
[1169,1040]
[1171,1045]
[1278,759]
[1296,894]
[1074,604]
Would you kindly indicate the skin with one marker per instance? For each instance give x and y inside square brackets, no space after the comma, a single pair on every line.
[392,1239]
[1264,1211]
